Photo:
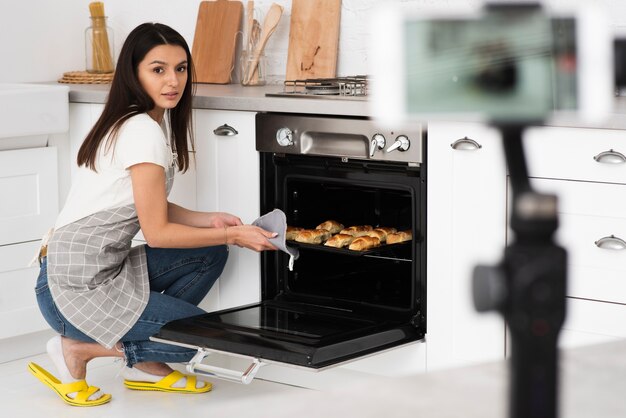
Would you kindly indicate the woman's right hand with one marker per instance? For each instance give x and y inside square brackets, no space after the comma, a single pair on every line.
[251,237]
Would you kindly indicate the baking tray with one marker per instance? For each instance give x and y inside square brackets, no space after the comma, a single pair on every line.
[376,250]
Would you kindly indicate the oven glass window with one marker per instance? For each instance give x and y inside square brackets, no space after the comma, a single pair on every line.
[384,278]
[302,324]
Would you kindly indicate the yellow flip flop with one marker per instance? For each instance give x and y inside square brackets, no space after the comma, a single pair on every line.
[165,384]
[81,388]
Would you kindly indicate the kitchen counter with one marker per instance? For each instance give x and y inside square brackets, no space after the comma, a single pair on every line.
[253,99]
[236,97]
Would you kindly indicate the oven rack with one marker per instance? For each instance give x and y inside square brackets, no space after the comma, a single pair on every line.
[382,251]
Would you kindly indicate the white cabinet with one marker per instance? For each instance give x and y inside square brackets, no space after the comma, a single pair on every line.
[28,181]
[29,167]
[586,169]
[466,226]
[19,312]
[228,181]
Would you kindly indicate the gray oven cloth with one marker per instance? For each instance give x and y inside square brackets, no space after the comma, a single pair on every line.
[276,221]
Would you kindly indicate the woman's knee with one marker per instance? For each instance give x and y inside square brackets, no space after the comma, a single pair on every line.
[216,257]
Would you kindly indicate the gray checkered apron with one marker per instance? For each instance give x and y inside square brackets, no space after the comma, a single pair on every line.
[97,280]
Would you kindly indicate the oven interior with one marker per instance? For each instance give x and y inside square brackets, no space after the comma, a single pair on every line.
[336,304]
[344,279]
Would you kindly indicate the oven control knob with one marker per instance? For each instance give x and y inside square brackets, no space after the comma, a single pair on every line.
[377,142]
[402,143]
[284,137]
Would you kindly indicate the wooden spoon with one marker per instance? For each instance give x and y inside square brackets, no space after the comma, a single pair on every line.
[254,40]
[249,24]
[269,25]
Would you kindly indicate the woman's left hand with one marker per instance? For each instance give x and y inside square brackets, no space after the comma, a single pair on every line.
[223,220]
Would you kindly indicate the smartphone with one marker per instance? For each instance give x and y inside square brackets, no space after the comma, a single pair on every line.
[501,64]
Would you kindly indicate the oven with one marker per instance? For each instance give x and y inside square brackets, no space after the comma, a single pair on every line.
[335,304]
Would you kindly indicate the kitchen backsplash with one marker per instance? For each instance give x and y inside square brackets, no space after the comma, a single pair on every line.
[41,39]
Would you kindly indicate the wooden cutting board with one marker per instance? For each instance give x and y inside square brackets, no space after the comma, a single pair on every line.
[313,39]
[215,40]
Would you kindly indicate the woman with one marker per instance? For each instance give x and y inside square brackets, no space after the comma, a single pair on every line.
[103,297]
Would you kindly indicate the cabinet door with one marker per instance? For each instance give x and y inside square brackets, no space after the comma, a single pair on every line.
[19,312]
[592,228]
[28,181]
[466,226]
[228,181]
[576,154]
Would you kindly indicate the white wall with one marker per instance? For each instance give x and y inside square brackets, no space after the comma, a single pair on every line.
[41,39]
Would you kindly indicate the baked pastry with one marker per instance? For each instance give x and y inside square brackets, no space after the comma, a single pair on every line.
[377,233]
[400,236]
[339,240]
[364,243]
[356,231]
[312,236]
[332,226]
[387,230]
[381,233]
[292,231]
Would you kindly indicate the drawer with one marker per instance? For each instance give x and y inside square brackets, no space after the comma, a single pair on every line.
[589,212]
[590,322]
[568,153]
[19,313]
[30,198]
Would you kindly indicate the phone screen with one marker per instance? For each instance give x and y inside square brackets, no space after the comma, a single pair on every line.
[507,67]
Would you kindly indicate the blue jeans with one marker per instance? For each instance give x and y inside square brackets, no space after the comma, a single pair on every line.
[179,280]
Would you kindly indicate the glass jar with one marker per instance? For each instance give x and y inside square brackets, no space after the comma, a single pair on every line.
[99,51]
[252,69]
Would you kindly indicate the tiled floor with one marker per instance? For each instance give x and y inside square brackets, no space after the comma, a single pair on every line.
[22,395]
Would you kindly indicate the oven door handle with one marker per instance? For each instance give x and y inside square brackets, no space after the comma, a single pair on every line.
[246,376]
[196,366]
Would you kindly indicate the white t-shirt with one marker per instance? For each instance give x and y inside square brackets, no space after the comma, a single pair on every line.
[140,140]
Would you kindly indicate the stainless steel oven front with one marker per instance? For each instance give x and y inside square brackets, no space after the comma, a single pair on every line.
[336,304]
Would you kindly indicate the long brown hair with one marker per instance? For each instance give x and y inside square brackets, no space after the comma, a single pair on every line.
[127,98]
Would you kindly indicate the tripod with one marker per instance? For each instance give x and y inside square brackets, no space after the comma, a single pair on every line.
[528,289]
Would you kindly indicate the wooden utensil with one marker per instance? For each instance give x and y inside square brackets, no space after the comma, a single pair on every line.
[269,26]
[249,24]
[215,40]
[255,36]
[313,39]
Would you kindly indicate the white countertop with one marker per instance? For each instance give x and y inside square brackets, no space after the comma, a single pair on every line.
[254,99]
[236,97]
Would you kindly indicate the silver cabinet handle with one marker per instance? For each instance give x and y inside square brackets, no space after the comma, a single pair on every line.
[610,157]
[465,144]
[225,130]
[611,243]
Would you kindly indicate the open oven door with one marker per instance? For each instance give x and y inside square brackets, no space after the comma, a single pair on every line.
[286,333]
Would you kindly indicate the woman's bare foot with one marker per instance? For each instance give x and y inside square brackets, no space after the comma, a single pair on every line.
[150,371]
[76,354]
[152,367]
[75,361]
